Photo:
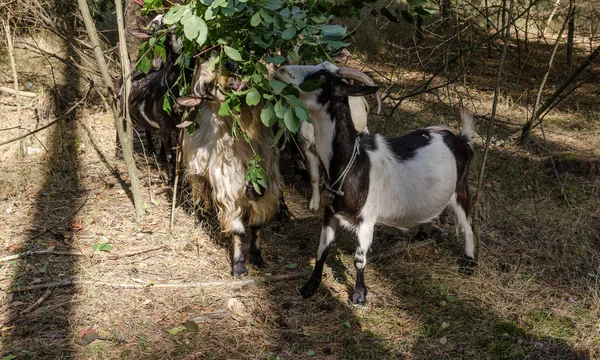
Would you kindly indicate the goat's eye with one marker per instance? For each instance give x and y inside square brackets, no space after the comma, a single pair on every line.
[322,77]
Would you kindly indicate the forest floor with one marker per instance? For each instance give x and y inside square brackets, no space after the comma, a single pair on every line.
[535,294]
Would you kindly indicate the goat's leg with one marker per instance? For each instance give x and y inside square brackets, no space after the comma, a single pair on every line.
[149,142]
[255,255]
[365,238]
[313,165]
[238,260]
[467,262]
[330,224]
[169,154]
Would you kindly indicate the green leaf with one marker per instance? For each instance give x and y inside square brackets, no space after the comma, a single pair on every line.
[253,97]
[291,121]
[145,65]
[279,109]
[289,33]
[232,53]
[333,31]
[9,357]
[274,4]
[176,330]
[102,247]
[311,85]
[277,85]
[191,26]
[255,20]
[424,12]
[417,3]
[278,135]
[224,109]
[268,18]
[218,3]
[274,59]
[310,352]
[305,333]
[166,105]
[191,326]
[210,13]
[174,14]
[301,113]
[267,115]
[291,266]
[202,33]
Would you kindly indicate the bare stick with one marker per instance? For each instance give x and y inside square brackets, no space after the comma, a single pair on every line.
[208,284]
[21,93]
[125,141]
[39,252]
[133,253]
[38,302]
[176,181]
[400,250]
[491,128]
[11,55]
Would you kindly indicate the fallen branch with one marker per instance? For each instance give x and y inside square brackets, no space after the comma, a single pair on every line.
[133,253]
[39,252]
[14,92]
[201,285]
[397,251]
[38,302]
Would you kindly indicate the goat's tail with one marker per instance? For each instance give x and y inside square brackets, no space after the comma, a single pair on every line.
[466,130]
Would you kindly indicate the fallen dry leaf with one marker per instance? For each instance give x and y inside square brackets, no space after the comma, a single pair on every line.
[86,336]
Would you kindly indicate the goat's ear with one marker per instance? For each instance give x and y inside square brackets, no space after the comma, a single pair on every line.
[140,22]
[140,34]
[189,101]
[357,90]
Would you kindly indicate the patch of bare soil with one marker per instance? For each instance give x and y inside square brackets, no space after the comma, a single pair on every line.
[168,294]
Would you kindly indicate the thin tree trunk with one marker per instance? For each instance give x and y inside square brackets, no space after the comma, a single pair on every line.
[491,127]
[528,126]
[11,53]
[487,27]
[571,34]
[126,144]
[554,10]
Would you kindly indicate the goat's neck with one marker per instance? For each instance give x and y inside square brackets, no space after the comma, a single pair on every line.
[334,140]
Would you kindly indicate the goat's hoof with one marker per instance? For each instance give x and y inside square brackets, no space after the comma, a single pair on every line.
[283,213]
[239,269]
[309,289]
[359,295]
[466,265]
[257,261]
[314,205]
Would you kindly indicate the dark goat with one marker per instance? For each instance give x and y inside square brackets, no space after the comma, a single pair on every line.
[373,180]
[148,92]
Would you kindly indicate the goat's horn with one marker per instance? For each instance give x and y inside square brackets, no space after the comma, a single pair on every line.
[351,73]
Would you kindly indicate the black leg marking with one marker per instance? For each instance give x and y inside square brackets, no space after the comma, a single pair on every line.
[255,254]
[359,294]
[467,265]
[238,260]
[311,286]
[283,213]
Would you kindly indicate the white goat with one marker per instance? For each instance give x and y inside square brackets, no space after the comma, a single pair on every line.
[217,161]
[373,180]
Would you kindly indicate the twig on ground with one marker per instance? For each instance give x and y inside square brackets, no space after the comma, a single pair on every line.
[21,93]
[133,253]
[39,252]
[397,251]
[208,284]
[37,303]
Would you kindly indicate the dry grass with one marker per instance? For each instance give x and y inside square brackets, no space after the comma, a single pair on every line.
[536,294]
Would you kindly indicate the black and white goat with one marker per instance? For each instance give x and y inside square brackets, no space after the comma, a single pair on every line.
[148,92]
[216,163]
[359,110]
[398,182]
